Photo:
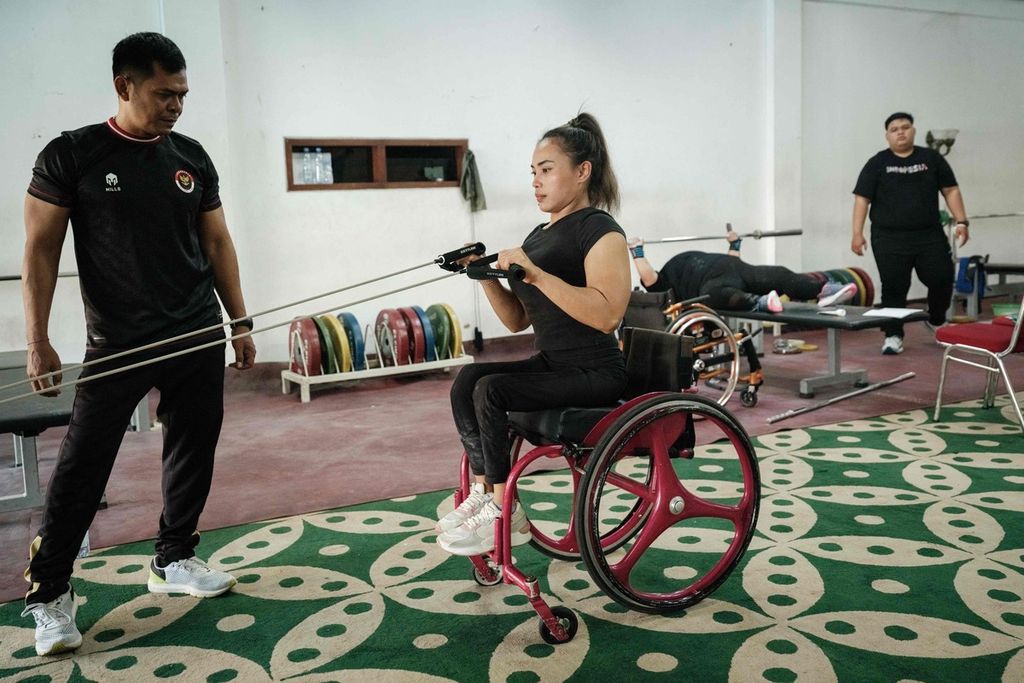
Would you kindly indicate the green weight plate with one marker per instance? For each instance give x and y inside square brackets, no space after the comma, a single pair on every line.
[442,327]
[327,356]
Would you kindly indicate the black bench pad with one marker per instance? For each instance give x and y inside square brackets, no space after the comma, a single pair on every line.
[30,416]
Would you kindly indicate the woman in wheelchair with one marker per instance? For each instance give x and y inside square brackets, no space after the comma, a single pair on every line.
[574,293]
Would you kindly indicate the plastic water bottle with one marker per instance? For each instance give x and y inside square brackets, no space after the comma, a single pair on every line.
[307,166]
[318,167]
[327,168]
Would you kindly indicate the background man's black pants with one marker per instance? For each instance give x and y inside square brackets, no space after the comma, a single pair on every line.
[926,252]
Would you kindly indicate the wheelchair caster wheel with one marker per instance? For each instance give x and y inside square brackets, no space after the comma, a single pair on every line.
[568,620]
[484,582]
[748,399]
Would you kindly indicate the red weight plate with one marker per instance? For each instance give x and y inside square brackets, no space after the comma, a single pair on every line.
[418,341]
[392,338]
[304,347]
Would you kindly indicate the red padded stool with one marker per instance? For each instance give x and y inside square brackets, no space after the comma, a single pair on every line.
[992,341]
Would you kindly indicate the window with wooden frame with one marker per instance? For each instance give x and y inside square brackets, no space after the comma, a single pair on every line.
[360,164]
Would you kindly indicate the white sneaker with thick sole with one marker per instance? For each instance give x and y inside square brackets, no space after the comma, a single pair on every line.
[892,345]
[476,535]
[191,576]
[476,499]
[835,295]
[56,630]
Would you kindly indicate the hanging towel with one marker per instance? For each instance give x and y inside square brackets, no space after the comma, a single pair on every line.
[472,189]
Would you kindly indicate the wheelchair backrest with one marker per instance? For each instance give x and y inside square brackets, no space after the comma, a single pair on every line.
[656,361]
[645,309]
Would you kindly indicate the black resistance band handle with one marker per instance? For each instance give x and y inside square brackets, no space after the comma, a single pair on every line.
[478,270]
[448,260]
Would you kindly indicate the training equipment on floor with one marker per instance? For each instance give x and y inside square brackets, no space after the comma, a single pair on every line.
[717,349]
[332,349]
[658,521]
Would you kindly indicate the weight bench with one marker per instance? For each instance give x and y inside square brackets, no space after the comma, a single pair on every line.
[807,314]
[1002,270]
[26,419]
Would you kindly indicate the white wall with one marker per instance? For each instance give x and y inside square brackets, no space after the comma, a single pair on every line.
[755,112]
[56,77]
[676,86]
[951,70]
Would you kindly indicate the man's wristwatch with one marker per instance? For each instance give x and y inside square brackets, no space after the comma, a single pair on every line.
[244,322]
[966,223]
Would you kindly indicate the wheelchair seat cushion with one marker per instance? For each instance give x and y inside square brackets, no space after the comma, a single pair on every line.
[557,425]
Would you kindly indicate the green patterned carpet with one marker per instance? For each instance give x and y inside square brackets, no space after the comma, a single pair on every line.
[888,549]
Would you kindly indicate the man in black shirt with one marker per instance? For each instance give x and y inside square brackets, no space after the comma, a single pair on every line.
[153,254]
[900,185]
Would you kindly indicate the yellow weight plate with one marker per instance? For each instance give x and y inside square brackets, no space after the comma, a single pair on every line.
[340,341]
[456,341]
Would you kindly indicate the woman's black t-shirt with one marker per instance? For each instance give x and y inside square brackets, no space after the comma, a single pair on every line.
[561,251]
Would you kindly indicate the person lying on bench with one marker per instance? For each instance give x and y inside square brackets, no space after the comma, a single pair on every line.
[732,284]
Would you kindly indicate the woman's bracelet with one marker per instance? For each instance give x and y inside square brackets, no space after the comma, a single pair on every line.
[735,245]
[39,341]
[637,251]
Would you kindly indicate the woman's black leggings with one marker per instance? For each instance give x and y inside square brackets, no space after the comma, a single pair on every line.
[737,285]
[925,252]
[484,393]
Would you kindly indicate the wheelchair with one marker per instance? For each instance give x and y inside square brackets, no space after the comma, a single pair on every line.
[658,521]
[717,348]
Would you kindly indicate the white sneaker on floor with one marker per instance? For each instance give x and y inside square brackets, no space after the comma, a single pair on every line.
[476,535]
[191,576]
[476,499]
[56,630]
[835,294]
[892,345]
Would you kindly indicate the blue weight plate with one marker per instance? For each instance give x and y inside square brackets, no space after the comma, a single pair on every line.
[355,340]
[428,332]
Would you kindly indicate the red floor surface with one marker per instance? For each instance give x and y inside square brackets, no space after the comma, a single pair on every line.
[390,437]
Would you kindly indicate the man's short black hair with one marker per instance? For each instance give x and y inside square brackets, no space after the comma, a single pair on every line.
[136,53]
[899,115]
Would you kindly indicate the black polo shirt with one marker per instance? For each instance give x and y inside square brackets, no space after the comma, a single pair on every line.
[135,206]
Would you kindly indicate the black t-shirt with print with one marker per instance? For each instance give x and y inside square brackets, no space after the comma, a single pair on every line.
[560,250]
[903,191]
[135,207]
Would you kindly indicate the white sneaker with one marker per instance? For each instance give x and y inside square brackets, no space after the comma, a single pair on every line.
[55,624]
[835,295]
[476,535]
[476,499]
[769,303]
[892,345]
[191,576]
